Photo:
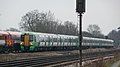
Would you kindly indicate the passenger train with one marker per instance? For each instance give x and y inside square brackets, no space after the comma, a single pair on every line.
[32,41]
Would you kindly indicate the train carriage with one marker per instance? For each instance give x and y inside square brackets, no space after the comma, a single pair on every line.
[9,41]
[14,41]
[97,42]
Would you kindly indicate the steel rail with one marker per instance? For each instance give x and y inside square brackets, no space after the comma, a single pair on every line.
[51,60]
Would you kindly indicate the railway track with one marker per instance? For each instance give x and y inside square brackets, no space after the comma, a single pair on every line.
[38,61]
[51,60]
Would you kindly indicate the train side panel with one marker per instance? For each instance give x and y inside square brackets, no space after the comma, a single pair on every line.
[42,41]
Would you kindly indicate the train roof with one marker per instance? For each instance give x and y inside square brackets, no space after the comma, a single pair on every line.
[10,32]
[90,38]
[3,32]
[67,36]
[14,33]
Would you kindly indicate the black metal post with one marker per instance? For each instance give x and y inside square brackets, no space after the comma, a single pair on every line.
[80,38]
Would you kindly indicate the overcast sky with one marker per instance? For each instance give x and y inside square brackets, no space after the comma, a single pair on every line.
[104,13]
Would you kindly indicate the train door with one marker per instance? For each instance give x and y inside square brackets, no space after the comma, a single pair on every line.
[16,42]
[26,40]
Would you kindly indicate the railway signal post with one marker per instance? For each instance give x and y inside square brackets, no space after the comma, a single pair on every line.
[80,9]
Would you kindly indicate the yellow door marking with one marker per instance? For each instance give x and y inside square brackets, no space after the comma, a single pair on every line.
[26,40]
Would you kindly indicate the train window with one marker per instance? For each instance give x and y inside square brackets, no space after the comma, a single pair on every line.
[63,40]
[5,37]
[91,41]
[35,38]
[42,40]
[73,40]
[66,40]
[54,39]
[60,39]
[30,37]
[22,37]
[84,41]
[47,39]
[1,37]
[51,39]
[70,40]
[9,37]
[16,38]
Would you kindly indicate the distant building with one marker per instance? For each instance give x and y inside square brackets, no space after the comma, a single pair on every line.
[118,28]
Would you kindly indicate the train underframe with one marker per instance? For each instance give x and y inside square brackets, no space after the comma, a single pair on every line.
[9,49]
[2,48]
[17,47]
[56,48]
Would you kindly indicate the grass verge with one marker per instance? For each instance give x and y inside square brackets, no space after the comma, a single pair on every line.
[109,62]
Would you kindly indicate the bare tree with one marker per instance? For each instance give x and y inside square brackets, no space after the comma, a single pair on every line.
[45,22]
[95,30]
[87,34]
[28,21]
[115,35]
[70,28]
[37,22]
